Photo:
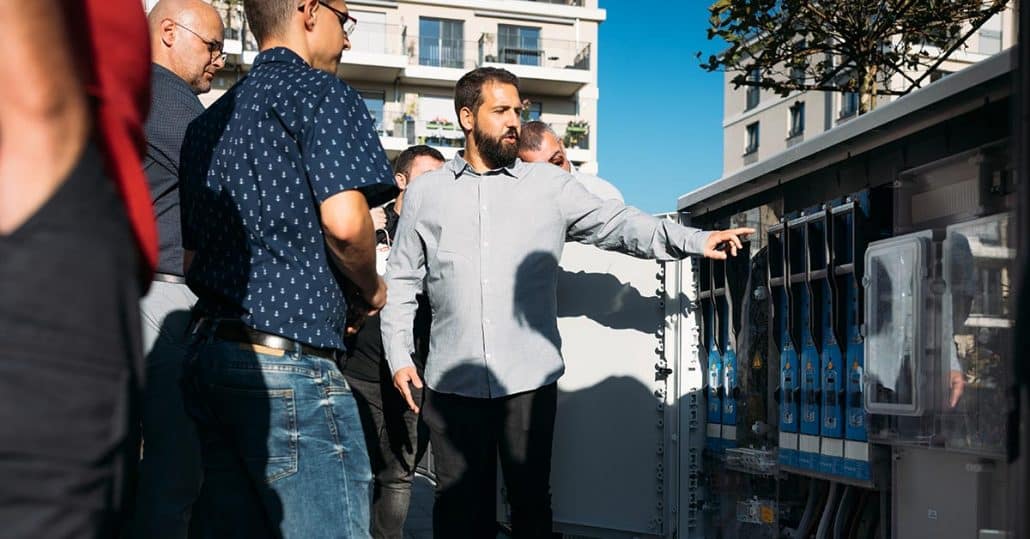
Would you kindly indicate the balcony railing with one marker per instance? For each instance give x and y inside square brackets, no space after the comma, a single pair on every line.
[577,3]
[441,133]
[447,133]
[436,52]
[553,53]
[377,38]
[369,38]
[393,39]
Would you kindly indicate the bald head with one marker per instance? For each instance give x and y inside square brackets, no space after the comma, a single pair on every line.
[186,38]
[538,143]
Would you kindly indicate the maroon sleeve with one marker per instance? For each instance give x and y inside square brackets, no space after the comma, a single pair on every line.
[113,52]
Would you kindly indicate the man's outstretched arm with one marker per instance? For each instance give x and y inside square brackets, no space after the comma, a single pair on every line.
[44,113]
[614,226]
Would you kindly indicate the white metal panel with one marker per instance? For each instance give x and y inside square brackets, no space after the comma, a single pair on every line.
[609,449]
[687,396]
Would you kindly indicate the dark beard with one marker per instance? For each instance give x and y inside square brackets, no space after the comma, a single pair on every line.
[495,153]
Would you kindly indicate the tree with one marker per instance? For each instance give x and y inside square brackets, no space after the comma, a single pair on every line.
[841,45]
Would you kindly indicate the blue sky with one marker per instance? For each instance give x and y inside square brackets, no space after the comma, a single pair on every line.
[660,115]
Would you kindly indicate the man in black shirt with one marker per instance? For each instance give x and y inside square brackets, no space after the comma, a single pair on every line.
[392,431]
[186,48]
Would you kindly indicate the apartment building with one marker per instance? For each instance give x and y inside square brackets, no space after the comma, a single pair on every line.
[759,123]
[407,55]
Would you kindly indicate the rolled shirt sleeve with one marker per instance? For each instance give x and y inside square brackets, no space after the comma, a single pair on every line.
[342,149]
[614,226]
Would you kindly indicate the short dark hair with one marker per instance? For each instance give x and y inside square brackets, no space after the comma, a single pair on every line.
[267,18]
[402,165]
[532,134]
[469,91]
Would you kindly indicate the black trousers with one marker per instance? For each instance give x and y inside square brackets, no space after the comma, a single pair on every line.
[396,440]
[70,355]
[468,435]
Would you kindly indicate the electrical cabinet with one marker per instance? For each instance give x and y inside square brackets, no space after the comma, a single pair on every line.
[845,375]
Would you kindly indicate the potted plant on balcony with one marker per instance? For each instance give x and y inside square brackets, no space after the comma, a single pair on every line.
[404,123]
[440,123]
[577,133]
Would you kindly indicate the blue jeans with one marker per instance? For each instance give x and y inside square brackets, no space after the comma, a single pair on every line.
[281,443]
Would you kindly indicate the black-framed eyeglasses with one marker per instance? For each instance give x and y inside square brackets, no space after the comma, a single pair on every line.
[213,47]
[347,22]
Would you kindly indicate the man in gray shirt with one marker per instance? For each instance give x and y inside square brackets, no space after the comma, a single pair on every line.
[482,236]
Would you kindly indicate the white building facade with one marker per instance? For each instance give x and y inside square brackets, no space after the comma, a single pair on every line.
[407,55]
[758,124]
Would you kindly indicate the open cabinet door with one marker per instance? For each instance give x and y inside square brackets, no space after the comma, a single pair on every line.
[610,474]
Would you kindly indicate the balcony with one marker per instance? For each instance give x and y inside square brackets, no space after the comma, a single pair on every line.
[438,62]
[376,54]
[377,51]
[386,53]
[576,137]
[397,131]
[552,67]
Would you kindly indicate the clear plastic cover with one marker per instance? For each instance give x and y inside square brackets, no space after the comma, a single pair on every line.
[977,331]
[895,272]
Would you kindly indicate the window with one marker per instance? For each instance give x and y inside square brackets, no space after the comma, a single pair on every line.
[752,139]
[440,43]
[797,119]
[754,94]
[799,67]
[848,104]
[533,111]
[798,75]
[374,102]
[990,35]
[519,45]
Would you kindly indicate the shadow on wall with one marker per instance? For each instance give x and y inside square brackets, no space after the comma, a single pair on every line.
[606,472]
[600,297]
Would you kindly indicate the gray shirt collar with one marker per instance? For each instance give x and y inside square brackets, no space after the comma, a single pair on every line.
[459,166]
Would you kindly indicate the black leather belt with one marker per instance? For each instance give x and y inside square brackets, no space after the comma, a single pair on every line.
[169,278]
[237,331]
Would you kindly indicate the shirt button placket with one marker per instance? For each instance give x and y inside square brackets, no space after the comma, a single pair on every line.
[484,245]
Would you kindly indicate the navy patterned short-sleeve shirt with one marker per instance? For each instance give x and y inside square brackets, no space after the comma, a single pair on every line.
[255,168]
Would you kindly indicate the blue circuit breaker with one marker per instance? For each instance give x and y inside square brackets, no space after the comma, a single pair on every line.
[801,322]
[850,238]
[729,372]
[731,278]
[827,338]
[779,287]
[706,298]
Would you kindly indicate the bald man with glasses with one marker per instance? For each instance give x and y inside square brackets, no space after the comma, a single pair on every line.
[186,50]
